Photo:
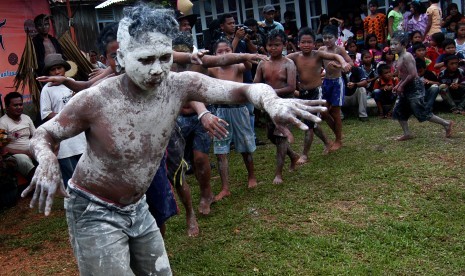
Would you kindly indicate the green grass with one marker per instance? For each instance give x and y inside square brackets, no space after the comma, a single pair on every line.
[376,207]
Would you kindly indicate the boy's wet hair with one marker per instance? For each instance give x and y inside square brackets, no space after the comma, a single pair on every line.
[447,42]
[420,63]
[275,33]
[107,35]
[184,39]
[383,67]
[145,18]
[401,36]
[330,30]
[438,38]
[418,45]
[306,31]
[221,40]
[450,57]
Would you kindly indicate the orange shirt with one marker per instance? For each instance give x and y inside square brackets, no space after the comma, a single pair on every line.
[376,25]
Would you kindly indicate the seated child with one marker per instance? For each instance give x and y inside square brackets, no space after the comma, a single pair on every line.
[449,48]
[434,51]
[452,87]
[415,37]
[369,68]
[382,90]
[430,81]
[419,51]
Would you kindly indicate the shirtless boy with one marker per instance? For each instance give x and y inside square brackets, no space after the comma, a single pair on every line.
[309,64]
[280,73]
[333,84]
[128,120]
[239,129]
[411,91]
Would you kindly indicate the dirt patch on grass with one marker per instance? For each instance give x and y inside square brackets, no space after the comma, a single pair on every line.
[52,257]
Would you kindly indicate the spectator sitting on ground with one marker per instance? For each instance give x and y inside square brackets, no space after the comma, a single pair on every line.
[452,86]
[419,51]
[369,68]
[20,129]
[448,48]
[434,50]
[382,91]
[431,83]
[355,91]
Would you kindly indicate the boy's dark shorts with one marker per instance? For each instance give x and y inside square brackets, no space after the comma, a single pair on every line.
[412,103]
[311,94]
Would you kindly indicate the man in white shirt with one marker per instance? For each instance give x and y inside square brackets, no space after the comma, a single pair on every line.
[19,128]
[52,100]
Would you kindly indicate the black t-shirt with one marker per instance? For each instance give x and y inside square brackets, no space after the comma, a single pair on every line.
[429,76]
[355,75]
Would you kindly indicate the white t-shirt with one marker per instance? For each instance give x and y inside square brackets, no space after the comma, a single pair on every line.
[54,99]
[18,132]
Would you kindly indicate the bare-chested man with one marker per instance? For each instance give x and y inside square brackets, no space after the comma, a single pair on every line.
[411,91]
[128,120]
[280,73]
[333,84]
[309,64]
[239,129]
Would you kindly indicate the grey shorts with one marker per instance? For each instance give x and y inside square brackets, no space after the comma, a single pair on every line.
[412,103]
[239,130]
[112,240]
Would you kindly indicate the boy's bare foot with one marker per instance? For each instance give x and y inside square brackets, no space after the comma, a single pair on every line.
[294,162]
[204,205]
[302,160]
[278,180]
[404,137]
[252,183]
[222,195]
[328,147]
[192,227]
[449,129]
[336,145]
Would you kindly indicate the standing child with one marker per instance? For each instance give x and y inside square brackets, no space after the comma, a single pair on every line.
[375,23]
[460,40]
[434,13]
[411,91]
[309,63]
[333,85]
[280,73]
[383,90]
[239,129]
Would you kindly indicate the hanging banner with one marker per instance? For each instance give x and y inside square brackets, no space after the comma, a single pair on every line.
[16,19]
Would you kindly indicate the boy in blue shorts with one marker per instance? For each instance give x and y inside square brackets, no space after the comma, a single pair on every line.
[333,84]
[411,91]
[239,128]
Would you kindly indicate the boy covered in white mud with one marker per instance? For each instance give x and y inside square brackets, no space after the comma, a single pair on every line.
[309,64]
[411,91]
[128,120]
[280,73]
